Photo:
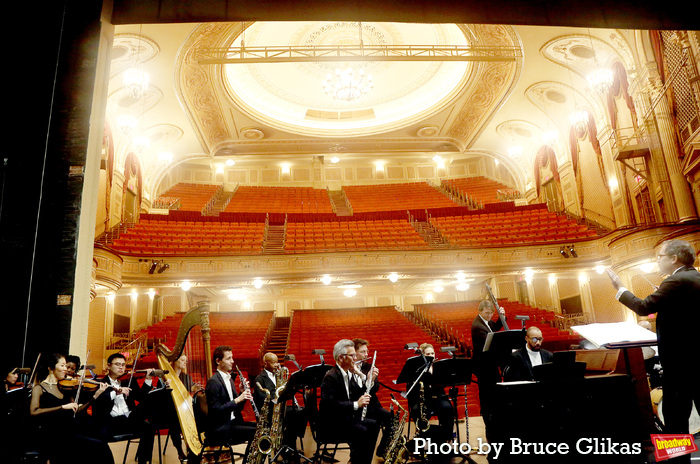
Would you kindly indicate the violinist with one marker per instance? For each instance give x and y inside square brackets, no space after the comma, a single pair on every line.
[54,412]
[116,412]
[72,366]
[11,380]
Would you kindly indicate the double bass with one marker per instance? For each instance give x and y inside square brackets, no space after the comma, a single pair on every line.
[496,306]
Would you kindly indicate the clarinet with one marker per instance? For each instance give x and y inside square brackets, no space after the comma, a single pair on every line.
[370,383]
[246,386]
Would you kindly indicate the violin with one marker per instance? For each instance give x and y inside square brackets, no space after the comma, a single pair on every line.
[70,384]
[14,386]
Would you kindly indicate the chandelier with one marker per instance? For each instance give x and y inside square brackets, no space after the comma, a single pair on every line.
[601,79]
[126,123]
[579,119]
[346,86]
[136,82]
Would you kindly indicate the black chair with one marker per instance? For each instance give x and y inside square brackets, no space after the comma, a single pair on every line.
[133,437]
[199,402]
[322,438]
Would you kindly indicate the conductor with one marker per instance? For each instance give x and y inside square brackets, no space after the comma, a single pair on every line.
[677,318]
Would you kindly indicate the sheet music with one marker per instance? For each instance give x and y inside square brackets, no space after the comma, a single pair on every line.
[601,334]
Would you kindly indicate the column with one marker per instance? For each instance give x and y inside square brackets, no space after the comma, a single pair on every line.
[584,285]
[683,199]
[554,292]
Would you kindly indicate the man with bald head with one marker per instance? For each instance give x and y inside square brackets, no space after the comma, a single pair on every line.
[522,361]
[294,417]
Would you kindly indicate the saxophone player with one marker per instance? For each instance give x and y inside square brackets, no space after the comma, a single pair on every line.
[342,399]
[436,401]
[294,416]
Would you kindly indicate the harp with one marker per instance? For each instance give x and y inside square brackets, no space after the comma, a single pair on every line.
[193,340]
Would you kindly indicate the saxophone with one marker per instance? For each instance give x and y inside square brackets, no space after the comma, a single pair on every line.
[396,451]
[422,422]
[262,444]
[276,425]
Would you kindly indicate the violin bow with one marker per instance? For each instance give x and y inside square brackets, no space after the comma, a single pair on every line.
[133,368]
[80,384]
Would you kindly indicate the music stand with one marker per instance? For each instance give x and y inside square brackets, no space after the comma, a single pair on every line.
[451,373]
[499,345]
[413,371]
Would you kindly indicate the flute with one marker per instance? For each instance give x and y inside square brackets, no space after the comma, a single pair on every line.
[370,382]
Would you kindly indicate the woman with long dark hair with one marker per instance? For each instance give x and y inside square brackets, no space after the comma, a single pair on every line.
[54,411]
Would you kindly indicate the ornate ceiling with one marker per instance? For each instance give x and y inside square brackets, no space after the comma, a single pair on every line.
[266,112]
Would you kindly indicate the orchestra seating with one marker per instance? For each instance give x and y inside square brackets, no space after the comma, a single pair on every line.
[454,320]
[163,237]
[387,331]
[387,234]
[279,200]
[394,197]
[193,197]
[520,225]
[478,189]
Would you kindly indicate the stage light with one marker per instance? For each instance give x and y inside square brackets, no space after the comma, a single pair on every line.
[393,277]
[573,252]
[152,269]
[163,267]
[563,252]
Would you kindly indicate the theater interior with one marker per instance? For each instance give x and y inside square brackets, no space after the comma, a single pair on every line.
[342,171]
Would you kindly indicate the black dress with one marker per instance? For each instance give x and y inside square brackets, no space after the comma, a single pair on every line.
[60,434]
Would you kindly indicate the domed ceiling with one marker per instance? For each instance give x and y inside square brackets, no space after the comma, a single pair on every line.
[290,96]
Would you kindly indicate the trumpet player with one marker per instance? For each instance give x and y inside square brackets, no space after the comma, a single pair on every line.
[342,398]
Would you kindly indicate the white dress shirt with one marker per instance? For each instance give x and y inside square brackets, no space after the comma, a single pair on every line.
[535,356]
[227,383]
[347,379]
[120,407]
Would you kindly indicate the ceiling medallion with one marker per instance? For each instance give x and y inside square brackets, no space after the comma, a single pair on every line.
[346,87]
[428,131]
[252,133]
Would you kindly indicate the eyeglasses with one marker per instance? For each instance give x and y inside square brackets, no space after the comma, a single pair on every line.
[536,339]
[658,257]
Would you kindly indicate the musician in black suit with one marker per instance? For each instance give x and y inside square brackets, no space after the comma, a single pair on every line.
[115,412]
[293,416]
[484,366]
[521,362]
[342,400]
[225,422]
[374,409]
[675,303]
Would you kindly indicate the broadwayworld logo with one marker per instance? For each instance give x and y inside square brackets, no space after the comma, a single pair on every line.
[669,446]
